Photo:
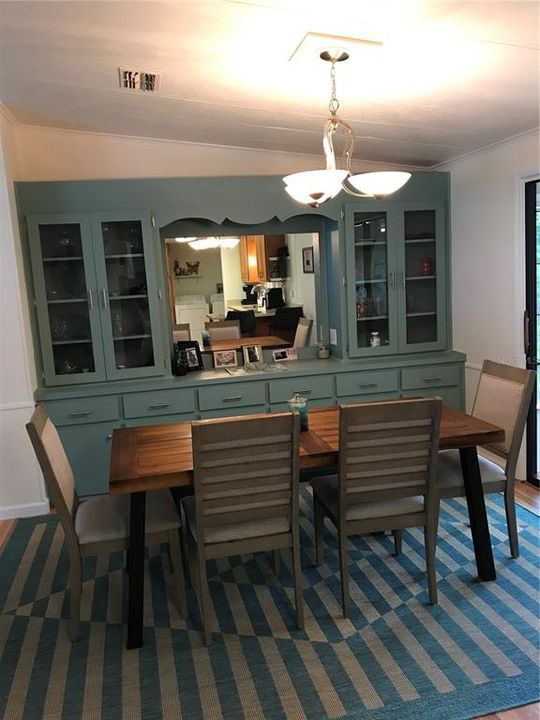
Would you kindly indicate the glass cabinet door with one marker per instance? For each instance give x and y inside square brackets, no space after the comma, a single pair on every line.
[128,297]
[65,288]
[421,279]
[371,283]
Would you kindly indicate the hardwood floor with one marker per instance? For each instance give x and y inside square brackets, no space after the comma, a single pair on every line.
[526,495]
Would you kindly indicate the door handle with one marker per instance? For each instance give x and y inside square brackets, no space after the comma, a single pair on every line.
[91,299]
[526,337]
[104,298]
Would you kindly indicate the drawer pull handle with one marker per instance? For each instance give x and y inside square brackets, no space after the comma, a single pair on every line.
[232,398]
[108,437]
[434,378]
[81,413]
[158,406]
[304,392]
[368,385]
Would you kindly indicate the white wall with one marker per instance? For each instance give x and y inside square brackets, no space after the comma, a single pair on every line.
[488,253]
[300,288]
[231,270]
[209,270]
[21,485]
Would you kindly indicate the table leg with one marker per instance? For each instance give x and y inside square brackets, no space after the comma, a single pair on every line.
[136,570]
[477,513]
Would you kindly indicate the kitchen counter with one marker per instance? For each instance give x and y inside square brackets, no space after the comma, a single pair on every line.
[259,312]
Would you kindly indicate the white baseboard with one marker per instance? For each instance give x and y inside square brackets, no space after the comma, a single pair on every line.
[13,512]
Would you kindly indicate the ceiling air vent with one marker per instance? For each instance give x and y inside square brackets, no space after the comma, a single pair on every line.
[139,80]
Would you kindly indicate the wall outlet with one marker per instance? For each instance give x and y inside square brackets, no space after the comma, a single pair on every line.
[333,336]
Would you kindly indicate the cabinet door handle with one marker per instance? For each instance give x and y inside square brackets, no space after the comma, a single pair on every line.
[434,378]
[108,437]
[368,385]
[91,299]
[158,406]
[232,398]
[104,298]
[80,413]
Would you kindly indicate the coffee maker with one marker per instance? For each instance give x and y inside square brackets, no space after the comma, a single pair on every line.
[251,298]
[274,298]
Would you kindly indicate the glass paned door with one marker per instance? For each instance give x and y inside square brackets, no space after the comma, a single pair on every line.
[128,297]
[371,280]
[419,279]
[64,282]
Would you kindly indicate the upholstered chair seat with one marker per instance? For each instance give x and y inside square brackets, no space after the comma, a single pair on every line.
[450,476]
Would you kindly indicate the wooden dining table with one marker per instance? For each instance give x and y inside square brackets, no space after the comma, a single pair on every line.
[156,457]
[267,342]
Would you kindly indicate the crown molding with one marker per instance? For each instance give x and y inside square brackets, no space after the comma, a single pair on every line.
[479,151]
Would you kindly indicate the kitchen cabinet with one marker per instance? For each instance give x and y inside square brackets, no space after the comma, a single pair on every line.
[96,297]
[259,257]
[396,277]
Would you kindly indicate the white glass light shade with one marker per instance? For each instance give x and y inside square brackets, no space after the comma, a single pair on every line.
[314,186]
[379,184]
[204,243]
[184,239]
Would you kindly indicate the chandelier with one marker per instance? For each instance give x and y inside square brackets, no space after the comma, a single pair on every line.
[316,186]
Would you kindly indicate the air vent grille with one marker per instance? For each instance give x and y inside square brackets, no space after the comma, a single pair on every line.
[139,80]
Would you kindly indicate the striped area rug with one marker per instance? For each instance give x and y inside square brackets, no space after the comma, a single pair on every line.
[397,657]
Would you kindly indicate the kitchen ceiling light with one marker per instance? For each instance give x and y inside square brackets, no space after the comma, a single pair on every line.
[207,243]
[316,186]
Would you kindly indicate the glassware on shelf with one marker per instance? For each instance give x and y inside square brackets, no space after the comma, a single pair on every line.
[374,339]
[117,323]
[426,266]
[59,327]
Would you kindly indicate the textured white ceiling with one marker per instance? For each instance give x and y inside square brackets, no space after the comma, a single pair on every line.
[451,77]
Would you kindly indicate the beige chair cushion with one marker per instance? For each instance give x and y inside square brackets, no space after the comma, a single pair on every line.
[498,402]
[326,489]
[106,518]
[449,475]
[234,531]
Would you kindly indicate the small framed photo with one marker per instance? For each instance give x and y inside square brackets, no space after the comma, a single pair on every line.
[186,357]
[284,354]
[307,260]
[252,354]
[225,358]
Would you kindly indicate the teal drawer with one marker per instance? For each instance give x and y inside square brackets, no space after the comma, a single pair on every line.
[451,396]
[316,386]
[429,376]
[312,403]
[375,397]
[83,410]
[161,419]
[234,411]
[232,396]
[160,402]
[367,383]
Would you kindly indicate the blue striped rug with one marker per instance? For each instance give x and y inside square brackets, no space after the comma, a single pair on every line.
[397,657]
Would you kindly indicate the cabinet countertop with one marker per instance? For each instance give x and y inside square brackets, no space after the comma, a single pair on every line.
[237,305]
[301,367]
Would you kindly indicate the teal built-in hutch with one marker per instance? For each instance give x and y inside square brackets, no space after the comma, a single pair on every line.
[95,263]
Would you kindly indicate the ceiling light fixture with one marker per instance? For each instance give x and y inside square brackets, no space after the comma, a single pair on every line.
[208,243]
[316,186]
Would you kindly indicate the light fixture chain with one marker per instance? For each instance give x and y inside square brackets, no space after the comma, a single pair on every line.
[333,105]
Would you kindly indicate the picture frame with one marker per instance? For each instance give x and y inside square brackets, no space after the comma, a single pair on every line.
[307,260]
[284,354]
[225,358]
[187,357]
[252,354]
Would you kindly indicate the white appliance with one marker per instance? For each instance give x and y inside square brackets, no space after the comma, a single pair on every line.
[192,309]
[218,306]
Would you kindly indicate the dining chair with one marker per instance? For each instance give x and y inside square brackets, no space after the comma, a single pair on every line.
[100,524]
[303,332]
[286,319]
[223,330]
[181,331]
[385,480]
[246,478]
[247,320]
[502,398]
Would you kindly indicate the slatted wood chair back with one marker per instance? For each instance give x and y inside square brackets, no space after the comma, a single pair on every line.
[502,398]
[55,467]
[246,469]
[223,330]
[388,450]
[181,331]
